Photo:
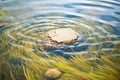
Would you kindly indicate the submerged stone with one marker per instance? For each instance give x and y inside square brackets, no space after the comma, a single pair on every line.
[53,73]
[59,37]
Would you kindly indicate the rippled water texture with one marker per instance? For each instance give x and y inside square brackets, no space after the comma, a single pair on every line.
[96,21]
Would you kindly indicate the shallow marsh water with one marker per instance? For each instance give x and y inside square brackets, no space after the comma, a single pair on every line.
[96,21]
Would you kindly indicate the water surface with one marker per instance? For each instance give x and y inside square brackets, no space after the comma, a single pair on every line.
[96,21]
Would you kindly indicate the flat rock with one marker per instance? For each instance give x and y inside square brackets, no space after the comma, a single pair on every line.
[62,35]
[59,37]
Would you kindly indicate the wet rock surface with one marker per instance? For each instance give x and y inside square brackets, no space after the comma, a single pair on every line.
[59,37]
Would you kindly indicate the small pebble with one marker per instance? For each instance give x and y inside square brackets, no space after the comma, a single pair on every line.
[53,73]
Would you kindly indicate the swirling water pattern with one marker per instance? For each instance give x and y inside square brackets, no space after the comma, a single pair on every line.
[96,21]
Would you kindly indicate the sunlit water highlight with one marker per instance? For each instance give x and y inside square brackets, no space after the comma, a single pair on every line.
[97,23]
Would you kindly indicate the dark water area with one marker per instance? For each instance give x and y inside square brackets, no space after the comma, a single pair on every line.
[96,21]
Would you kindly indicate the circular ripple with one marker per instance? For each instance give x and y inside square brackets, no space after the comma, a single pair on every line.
[97,25]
